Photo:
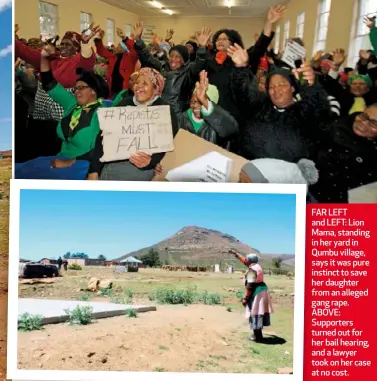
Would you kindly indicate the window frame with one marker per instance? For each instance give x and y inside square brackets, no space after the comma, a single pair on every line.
[324,12]
[55,19]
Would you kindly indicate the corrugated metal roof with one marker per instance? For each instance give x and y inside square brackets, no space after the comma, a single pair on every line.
[131,259]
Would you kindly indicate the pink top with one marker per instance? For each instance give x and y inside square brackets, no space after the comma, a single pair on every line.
[257,267]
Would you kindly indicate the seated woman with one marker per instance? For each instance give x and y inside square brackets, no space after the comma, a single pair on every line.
[148,88]
[348,156]
[257,299]
[276,125]
[78,129]
[205,118]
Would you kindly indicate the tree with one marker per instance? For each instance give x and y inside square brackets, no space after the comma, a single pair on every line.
[67,255]
[102,257]
[151,259]
[79,255]
[277,262]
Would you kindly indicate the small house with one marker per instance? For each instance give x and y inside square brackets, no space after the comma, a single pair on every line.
[131,264]
[77,261]
[94,262]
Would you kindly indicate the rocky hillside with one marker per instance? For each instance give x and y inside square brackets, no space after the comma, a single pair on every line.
[197,245]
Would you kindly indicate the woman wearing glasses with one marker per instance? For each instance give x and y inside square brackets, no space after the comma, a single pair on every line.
[78,129]
[348,156]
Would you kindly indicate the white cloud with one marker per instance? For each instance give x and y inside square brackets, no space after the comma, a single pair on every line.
[6,120]
[5,4]
[5,51]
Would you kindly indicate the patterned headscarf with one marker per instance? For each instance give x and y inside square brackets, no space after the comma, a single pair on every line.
[75,38]
[364,78]
[156,78]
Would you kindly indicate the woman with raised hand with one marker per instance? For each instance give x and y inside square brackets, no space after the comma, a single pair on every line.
[256,300]
[205,118]
[180,74]
[277,126]
[77,130]
[147,88]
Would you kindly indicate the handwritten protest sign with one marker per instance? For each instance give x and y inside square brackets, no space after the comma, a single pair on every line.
[126,130]
[293,52]
[212,167]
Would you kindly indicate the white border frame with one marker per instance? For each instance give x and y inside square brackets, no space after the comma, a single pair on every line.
[51,375]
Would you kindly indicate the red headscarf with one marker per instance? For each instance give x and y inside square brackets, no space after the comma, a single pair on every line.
[75,38]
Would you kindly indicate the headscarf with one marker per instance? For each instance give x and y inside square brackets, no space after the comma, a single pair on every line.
[75,38]
[326,63]
[364,78]
[156,78]
[284,72]
[94,81]
[252,258]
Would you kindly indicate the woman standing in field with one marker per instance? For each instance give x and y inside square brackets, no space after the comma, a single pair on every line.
[256,299]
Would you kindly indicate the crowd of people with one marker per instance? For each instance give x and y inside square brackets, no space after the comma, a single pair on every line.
[319,117]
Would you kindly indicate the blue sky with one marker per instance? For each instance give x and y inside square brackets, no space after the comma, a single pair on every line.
[6,68]
[115,223]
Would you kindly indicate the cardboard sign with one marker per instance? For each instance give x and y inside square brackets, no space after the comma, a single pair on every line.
[212,167]
[126,130]
[293,52]
[189,147]
[366,194]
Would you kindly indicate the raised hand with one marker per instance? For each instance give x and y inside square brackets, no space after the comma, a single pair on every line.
[370,22]
[202,87]
[86,35]
[138,30]
[169,34]
[339,56]
[120,33]
[203,37]
[238,55]
[276,13]
[307,73]
[317,57]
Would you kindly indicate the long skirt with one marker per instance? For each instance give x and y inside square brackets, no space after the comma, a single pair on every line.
[258,310]
[40,169]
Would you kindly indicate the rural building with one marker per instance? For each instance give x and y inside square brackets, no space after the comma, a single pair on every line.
[77,261]
[94,262]
[86,261]
[111,263]
[131,264]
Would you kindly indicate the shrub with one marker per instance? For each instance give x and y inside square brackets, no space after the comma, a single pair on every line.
[131,313]
[74,266]
[210,299]
[165,296]
[82,315]
[28,322]
[105,292]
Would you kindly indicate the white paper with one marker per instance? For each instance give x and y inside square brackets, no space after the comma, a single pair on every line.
[212,167]
[293,52]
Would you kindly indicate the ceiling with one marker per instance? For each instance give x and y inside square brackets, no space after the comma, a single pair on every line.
[192,8]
